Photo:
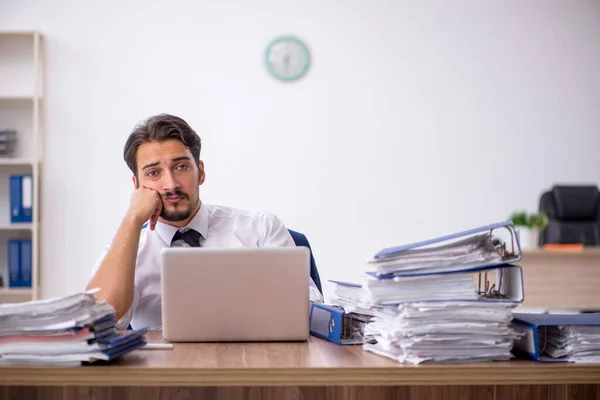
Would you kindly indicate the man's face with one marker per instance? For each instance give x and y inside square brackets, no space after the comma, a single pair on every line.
[169,168]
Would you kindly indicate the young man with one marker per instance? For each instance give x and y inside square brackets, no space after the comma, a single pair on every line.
[163,154]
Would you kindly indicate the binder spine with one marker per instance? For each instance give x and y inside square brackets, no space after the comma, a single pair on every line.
[14,263]
[16,214]
[27,197]
[528,346]
[26,263]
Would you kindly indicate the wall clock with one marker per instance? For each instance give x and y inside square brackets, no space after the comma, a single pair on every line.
[287,58]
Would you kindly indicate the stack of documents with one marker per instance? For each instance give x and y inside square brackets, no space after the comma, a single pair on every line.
[559,337]
[448,299]
[396,289]
[352,297]
[461,254]
[67,331]
[343,319]
[443,332]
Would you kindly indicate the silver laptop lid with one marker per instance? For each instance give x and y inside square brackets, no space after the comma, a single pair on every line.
[241,294]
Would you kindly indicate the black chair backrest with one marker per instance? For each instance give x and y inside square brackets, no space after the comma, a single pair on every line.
[573,215]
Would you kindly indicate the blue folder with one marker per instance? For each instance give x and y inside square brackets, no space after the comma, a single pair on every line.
[344,283]
[509,289]
[333,324]
[26,263]
[16,207]
[529,345]
[515,247]
[21,198]
[122,343]
[14,263]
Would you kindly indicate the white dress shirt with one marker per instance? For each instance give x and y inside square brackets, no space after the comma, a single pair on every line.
[220,227]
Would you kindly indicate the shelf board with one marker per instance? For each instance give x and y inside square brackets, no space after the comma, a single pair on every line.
[16,227]
[586,251]
[16,161]
[17,33]
[4,97]
[17,291]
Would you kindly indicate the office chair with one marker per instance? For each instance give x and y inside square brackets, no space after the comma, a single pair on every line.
[573,215]
[301,240]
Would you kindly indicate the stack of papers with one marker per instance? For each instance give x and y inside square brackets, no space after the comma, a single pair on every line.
[354,326]
[443,332]
[459,255]
[66,331]
[579,344]
[352,297]
[447,299]
[375,292]
[402,289]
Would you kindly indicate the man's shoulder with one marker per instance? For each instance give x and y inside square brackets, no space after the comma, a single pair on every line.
[262,228]
[227,212]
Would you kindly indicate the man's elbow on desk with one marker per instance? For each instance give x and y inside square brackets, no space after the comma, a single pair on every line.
[120,304]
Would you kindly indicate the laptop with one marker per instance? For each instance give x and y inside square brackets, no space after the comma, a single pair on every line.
[235,294]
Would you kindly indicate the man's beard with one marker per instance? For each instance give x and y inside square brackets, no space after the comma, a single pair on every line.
[179,215]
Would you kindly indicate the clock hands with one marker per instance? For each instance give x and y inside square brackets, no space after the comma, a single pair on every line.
[286,62]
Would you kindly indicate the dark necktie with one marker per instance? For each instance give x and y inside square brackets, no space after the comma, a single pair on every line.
[190,236]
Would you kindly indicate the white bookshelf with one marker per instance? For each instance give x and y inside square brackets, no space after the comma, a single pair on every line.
[21,96]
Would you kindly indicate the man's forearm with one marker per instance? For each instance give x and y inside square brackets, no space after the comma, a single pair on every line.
[116,275]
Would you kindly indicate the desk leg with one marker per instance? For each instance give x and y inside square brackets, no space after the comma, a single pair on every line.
[509,392]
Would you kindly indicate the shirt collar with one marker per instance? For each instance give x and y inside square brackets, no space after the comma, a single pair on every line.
[199,223]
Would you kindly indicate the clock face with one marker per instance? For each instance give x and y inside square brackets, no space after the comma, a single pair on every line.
[287,58]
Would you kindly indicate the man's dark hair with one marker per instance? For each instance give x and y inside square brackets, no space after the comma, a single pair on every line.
[157,129]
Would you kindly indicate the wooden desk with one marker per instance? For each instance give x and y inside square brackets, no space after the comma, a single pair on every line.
[562,279]
[313,370]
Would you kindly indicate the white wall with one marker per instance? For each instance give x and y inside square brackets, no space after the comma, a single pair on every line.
[416,118]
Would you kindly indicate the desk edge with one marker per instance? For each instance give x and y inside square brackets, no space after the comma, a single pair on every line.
[438,375]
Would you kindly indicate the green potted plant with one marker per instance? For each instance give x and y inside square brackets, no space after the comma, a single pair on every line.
[528,227]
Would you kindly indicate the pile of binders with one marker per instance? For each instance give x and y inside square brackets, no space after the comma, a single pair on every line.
[448,299]
[68,331]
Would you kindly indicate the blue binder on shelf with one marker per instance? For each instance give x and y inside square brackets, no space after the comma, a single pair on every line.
[331,323]
[14,263]
[530,345]
[15,199]
[19,263]
[21,198]
[26,259]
